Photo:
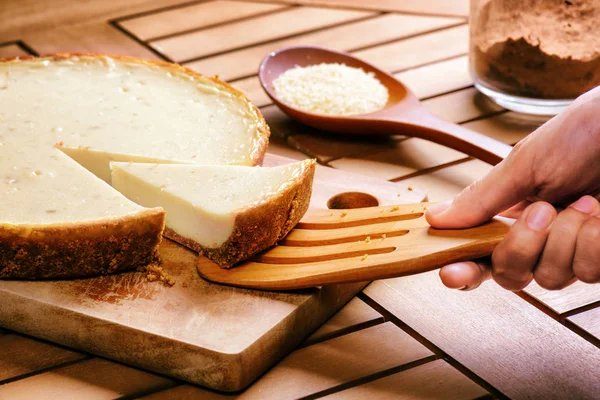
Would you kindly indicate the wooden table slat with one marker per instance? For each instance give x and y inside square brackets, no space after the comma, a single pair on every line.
[432,380]
[589,321]
[570,298]
[461,106]
[21,17]
[194,16]
[437,78]
[252,31]
[355,314]
[352,35]
[404,158]
[21,355]
[509,127]
[445,183]
[91,379]
[12,50]
[455,7]
[419,50]
[509,343]
[94,37]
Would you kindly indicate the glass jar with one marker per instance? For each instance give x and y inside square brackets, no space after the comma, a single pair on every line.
[535,56]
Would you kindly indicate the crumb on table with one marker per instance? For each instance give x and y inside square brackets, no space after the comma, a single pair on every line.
[156,273]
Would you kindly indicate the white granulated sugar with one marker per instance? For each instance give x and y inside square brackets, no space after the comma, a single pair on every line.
[331,89]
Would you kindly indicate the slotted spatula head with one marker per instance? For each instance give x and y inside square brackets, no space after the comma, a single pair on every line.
[337,246]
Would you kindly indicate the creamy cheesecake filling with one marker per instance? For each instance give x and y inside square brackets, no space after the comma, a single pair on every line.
[98,162]
[47,187]
[201,202]
[125,107]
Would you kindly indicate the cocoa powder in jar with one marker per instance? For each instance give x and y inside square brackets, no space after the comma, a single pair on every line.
[548,49]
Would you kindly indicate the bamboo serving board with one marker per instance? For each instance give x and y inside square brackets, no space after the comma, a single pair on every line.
[207,334]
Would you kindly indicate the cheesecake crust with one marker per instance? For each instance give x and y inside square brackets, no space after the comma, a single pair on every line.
[261,226]
[261,139]
[76,250]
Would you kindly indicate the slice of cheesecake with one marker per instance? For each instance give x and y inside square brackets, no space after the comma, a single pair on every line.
[227,213]
[58,220]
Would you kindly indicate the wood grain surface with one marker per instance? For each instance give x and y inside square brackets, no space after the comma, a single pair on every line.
[251,31]
[570,298]
[194,17]
[418,50]
[588,321]
[457,7]
[513,346]
[434,380]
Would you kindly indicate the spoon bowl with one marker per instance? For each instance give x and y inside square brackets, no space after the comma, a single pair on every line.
[403,114]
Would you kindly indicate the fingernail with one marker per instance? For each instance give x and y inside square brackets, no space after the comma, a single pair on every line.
[540,217]
[439,208]
[586,205]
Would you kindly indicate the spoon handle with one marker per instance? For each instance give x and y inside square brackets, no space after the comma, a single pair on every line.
[427,126]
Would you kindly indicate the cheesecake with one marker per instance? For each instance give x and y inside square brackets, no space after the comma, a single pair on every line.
[60,221]
[226,213]
[64,118]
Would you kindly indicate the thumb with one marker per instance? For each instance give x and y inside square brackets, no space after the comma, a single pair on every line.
[505,185]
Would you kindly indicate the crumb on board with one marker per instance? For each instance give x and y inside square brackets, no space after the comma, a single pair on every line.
[398,194]
[383,236]
[342,215]
[363,258]
[331,214]
[156,273]
[368,239]
[410,188]
[395,208]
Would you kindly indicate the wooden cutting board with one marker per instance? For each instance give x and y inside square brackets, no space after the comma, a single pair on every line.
[211,335]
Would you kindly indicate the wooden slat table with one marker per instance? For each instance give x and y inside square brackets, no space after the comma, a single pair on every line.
[400,338]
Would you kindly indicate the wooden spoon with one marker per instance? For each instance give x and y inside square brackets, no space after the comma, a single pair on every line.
[362,244]
[402,115]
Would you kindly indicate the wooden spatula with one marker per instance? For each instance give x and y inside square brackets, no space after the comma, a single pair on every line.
[336,246]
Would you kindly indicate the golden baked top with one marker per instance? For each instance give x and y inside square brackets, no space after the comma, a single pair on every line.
[115,108]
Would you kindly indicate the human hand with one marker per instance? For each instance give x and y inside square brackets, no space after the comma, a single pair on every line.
[556,166]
